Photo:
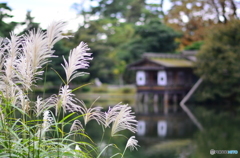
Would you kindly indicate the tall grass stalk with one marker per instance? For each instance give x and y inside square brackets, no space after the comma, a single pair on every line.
[38,128]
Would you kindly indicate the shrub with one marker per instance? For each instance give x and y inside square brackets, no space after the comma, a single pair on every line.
[85,89]
[221,132]
[102,89]
[61,130]
[127,90]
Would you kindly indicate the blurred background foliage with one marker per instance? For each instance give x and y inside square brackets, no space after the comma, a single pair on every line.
[119,32]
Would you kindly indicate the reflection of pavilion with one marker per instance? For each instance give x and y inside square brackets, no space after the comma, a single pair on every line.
[162,81]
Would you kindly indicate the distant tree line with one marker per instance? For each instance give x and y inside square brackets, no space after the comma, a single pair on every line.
[119,32]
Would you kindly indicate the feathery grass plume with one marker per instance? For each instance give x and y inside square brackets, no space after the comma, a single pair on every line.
[36,52]
[48,120]
[3,48]
[10,92]
[132,143]
[55,33]
[35,49]
[77,60]
[94,113]
[35,55]
[21,61]
[66,101]
[111,114]
[77,126]
[13,50]
[10,50]
[42,105]
[24,102]
[125,120]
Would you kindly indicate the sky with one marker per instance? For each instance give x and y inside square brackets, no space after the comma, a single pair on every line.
[45,11]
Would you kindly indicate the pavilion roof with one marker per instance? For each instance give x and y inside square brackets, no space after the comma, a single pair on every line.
[165,60]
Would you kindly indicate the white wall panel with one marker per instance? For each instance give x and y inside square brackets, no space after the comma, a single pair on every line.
[141,128]
[162,128]
[141,78]
[162,78]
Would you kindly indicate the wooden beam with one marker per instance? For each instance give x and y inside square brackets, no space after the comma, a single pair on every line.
[185,108]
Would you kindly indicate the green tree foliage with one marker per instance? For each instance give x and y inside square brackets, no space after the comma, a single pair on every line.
[153,36]
[96,33]
[218,63]
[221,133]
[119,9]
[5,28]
[194,46]
[120,32]
[131,11]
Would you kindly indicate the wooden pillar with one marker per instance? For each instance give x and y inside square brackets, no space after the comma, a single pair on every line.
[175,103]
[155,103]
[145,103]
[140,103]
[137,103]
[165,103]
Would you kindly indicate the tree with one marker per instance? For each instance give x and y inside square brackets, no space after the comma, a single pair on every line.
[154,36]
[131,11]
[30,24]
[194,46]
[5,28]
[194,17]
[120,32]
[218,63]
[97,33]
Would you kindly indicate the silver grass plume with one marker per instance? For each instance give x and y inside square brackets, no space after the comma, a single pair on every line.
[132,143]
[124,120]
[48,120]
[42,105]
[14,94]
[35,55]
[55,33]
[12,51]
[77,126]
[94,113]
[111,114]
[24,102]
[36,51]
[66,101]
[77,60]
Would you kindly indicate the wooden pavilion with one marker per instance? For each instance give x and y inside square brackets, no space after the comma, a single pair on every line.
[162,81]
